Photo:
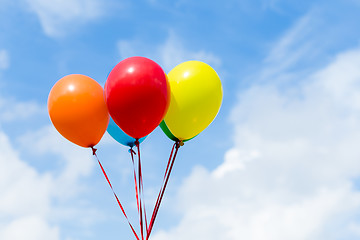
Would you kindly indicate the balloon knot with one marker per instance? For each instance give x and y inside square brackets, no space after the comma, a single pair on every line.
[93,150]
[132,151]
[137,142]
[179,143]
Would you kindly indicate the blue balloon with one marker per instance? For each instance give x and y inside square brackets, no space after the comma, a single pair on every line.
[120,136]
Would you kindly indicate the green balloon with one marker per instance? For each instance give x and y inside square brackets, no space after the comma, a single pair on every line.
[167,132]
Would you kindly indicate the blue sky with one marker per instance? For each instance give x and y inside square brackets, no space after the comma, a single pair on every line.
[280,161]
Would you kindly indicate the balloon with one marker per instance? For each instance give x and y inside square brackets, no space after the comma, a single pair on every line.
[77,108]
[196,97]
[137,95]
[120,136]
[167,132]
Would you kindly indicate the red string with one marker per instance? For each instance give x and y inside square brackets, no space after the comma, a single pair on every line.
[162,189]
[132,152]
[117,199]
[139,189]
[141,194]
[167,167]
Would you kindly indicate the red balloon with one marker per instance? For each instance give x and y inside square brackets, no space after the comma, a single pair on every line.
[137,95]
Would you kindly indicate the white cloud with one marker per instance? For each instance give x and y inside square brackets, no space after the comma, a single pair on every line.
[13,110]
[301,46]
[78,161]
[39,200]
[232,162]
[29,228]
[59,17]
[18,181]
[169,54]
[4,59]
[292,171]
[25,197]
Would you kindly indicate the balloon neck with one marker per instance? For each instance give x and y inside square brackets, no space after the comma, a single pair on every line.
[179,143]
[131,151]
[93,150]
[137,142]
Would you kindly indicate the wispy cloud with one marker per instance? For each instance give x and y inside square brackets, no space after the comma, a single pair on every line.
[168,54]
[37,202]
[4,59]
[25,197]
[60,17]
[13,110]
[300,47]
[32,228]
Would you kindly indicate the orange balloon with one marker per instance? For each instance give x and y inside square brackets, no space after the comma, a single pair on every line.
[77,108]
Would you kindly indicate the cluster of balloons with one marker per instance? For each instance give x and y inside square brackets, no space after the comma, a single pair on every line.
[137,97]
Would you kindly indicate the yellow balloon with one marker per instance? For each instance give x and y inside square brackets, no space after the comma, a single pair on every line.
[196,97]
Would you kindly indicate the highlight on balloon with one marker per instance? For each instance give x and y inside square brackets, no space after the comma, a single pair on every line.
[138,96]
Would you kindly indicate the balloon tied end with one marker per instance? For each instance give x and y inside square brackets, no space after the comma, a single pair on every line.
[132,151]
[93,150]
[179,143]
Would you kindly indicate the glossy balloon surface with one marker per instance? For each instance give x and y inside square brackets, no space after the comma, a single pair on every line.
[137,95]
[77,108]
[196,97]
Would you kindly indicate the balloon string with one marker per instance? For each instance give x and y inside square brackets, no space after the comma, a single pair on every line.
[171,161]
[161,189]
[117,199]
[167,167]
[141,194]
[143,198]
[132,152]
